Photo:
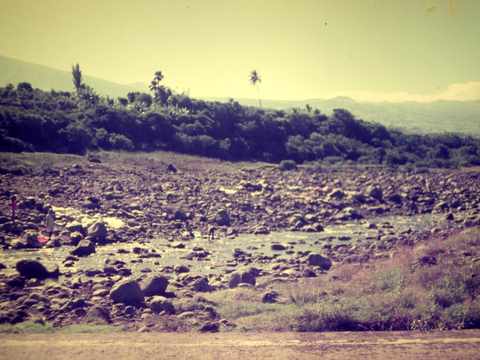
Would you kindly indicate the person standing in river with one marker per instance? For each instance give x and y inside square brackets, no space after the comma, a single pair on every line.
[211,232]
[50,223]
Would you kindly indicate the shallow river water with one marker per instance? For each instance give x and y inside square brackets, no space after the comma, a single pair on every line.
[335,239]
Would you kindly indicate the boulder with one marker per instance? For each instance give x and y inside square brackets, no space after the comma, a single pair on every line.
[320,261]
[209,327]
[28,203]
[270,297]
[278,247]
[171,168]
[127,292]
[84,248]
[97,231]
[222,218]
[336,194]
[160,303]
[247,277]
[395,198]
[201,285]
[33,269]
[348,213]
[154,285]
[180,269]
[375,192]
[180,215]
[252,187]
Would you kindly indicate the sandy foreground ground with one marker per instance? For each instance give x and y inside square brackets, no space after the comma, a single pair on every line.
[246,346]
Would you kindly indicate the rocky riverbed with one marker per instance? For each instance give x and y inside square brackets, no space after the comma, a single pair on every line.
[133,247]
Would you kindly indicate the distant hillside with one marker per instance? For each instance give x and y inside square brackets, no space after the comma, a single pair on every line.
[46,78]
[434,117]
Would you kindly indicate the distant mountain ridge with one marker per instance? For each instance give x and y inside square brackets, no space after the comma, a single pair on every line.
[46,78]
[437,117]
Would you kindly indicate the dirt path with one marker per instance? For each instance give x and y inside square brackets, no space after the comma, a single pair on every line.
[380,345]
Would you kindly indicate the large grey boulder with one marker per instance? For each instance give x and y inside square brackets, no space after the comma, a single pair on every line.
[97,231]
[127,292]
[154,285]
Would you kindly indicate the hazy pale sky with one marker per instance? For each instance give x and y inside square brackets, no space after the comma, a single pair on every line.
[368,49]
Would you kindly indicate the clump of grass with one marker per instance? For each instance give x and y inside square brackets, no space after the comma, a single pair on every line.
[88,329]
[32,327]
[40,327]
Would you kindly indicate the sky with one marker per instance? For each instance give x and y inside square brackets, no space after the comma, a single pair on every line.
[376,50]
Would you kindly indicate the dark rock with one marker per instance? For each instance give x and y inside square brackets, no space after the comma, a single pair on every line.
[180,269]
[210,327]
[336,194]
[32,269]
[160,303]
[375,192]
[278,247]
[248,277]
[98,231]
[427,260]
[270,297]
[154,285]
[252,187]
[320,261]
[395,198]
[16,282]
[94,159]
[348,214]
[171,168]
[180,215]
[127,292]
[84,248]
[222,218]
[308,273]
[201,285]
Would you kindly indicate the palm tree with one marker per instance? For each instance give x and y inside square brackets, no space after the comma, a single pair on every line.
[157,77]
[255,80]
[77,77]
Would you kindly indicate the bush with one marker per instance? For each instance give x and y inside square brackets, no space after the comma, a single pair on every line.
[286,165]
[120,142]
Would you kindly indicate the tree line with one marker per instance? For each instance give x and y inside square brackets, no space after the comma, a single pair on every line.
[75,122]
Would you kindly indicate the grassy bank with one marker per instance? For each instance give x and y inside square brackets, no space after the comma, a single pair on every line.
[435,285]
